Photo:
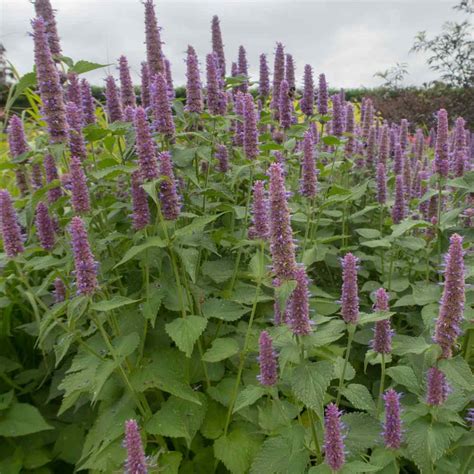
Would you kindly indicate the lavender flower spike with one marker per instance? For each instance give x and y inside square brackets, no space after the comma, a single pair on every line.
[76,142]
[193,83]
[141,212]
[323,95]
[49,84]
[169,80]
[243,68]
[44,227]
[382,343]
[350,146]
[399,206]
[264,78]
[88,107]
[350,292]
[285,107]
[333,438]
[73,91]
[59,290]
[307,101]
[163,117]
[145,147]
[381,184]
[169,198]
[44,10]
[250,128]
[392,428]
[441,162]
[278,76]
[18,146]
[282,246]
[9,227]
[337,116]
[214,92]
[145,85]
[84,263]
[299,304]
[127,93]
[222,156]
[437,387]
[154,53]
[452,302]
[290,72]
[113,105]
[136,460]
[309,180]
[267,360]
[79,190]
[217,44]
[51,175]
[260,227]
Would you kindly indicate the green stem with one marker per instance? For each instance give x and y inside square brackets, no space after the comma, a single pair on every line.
[351,330]
[382,384]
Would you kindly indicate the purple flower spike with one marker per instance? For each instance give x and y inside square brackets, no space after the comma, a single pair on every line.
[309,180]
[136,461]
[114,108]
[368,118]
[437,387]
[350,146]
[470,418]
[193,84]
[79,190]
[36,176]
[44,10]
[250,128]
[44,227]
[51,175]
[399,206]
[88,107]
[381,184]
[307,101]
[145,147]
[129,114]
[322,95]
[216,102]
[384,147]
[371,145]
[382,343]
[452,302]
[18,146]
[403,138]
[73,91]
[264,78]
[84,263]
[127,93]
[441,163]
[49,84]
[337,116]
[286,107]
[282,246]
[141,212]
[260,228]
[222,156]
[398,159]
[217,44]
[145,85]
[350,292]
[278,76]
[392,428]
[267,360]
[299,304]
[333,438]
[290,72]
[243,68]
[169,198]
[76,142]
[59,290]
[169,80]
[9,227]
[154,53]
[238,124]
[163,117]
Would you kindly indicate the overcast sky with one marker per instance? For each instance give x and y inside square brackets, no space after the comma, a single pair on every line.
[349,40]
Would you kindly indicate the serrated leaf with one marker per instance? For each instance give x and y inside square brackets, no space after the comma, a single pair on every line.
[137,249]
[283,293]
[457,371]
[359,396]
[189,259]
[366,318]
[218,271]
[363,432]
[186,331]
[223,309]
[109,305]
[248,396]
[85,66]
[222,348]
[22,419]
[198,224]
[409,345]
[404,375]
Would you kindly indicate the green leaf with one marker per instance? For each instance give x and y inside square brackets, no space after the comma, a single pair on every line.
[309,383]
[248,396]
[409,345]
[6,399]
[218,270]
[405,226]
[363,432]
[116,302]
[283,292]
[237,449]
[374,317]
[189,260]
[458,372]
[331,140]
[284,454]
[223,309]
[178,418]
[169,462]
[22,419]
[368,233]
[327,333]
[137,249]
[359,396]
[198,224]
[222,348]
[186,331]
[404,375]
[377,243]
[85,66]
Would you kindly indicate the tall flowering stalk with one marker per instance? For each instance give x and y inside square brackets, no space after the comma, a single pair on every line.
[36,176]
[368,118]
[260,225]
[371,147]
[52,175]
[381,184]
[49,84]
[216,102]
[9,226]
[85,265]
[452,301]
[350,292]
[282,246]
[250,128]
[217,44]
[333,439]
[145,85]
[307,101]
[337,116]
[403,137]
[18,146]
[441,160]
[80,192]
[290,72]
[267,360]
[127,93]
[264,78]
[88,107]
[154,53]
[278,76]
[43,9]
[76,142]
[169,198]
[163,117]
[73,91]
[136,462]
[112,100]
[285,107]
[59,290]
[141,211]
[399,206]
[169,80]
[392,428]
[309,180]
[243,68]
[384,146]
[222,156]
[323,95]
[44,227]
[193,83]
[298,306]
[350,146]
[145,147]
[437,388]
